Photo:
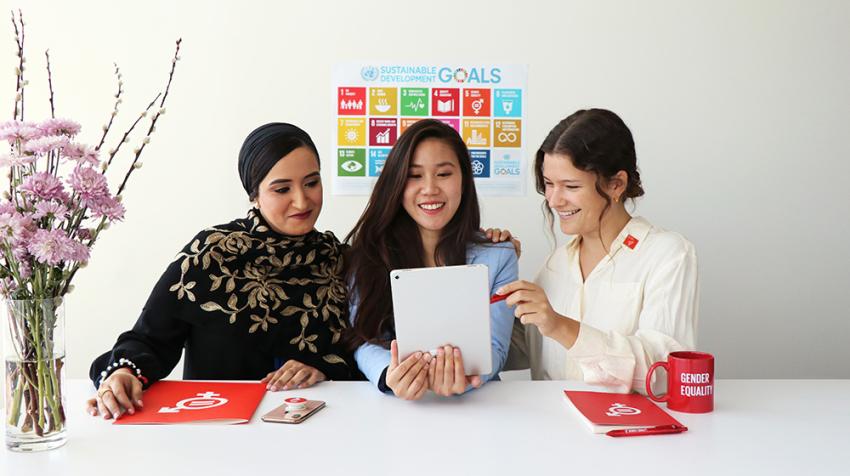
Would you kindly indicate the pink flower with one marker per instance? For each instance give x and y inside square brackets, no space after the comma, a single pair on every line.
[108,207]
[24,269]
[55,127]
[50,209]
[16,226]
[53,247]
[44,145]
[45,186]
[19,250]
[82,153]
[7,207]
[13,159]
[6,230]
[13,131]
[89,183]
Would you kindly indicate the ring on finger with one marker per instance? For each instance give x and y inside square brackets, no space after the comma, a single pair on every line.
[102,391]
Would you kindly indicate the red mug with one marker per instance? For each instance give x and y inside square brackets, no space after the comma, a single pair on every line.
[690,382]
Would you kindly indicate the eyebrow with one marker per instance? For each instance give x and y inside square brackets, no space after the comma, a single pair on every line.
[441,164]
[283,180]
[562,181]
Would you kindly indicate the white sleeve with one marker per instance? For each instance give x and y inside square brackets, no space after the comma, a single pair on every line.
[667,323]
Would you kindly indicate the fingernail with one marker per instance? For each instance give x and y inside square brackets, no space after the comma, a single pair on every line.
[418,354]
[440,351]
[139,403]
[131,411]
[457,352]
[499,291]
[427,357]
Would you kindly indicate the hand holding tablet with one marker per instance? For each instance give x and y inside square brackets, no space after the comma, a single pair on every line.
[448,305]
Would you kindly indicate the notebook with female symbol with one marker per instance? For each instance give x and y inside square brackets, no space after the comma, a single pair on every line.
[603,412]
[169,402]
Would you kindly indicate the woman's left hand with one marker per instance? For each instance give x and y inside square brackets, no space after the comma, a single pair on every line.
[293,374]
[446,376]
[497,236]
[533,307]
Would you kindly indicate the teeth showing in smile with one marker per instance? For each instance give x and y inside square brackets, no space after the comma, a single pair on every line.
[569,213]
[431,206]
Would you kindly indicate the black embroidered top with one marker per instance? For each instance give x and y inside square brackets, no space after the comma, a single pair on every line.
[242,300]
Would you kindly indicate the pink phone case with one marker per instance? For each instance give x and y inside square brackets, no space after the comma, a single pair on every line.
[280,415]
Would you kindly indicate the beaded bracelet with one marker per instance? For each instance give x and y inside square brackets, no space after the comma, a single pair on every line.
[122,364]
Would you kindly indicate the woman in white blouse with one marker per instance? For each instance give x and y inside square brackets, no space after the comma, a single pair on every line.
[623,293]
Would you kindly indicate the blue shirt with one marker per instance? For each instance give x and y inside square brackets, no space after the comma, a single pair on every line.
[501,262]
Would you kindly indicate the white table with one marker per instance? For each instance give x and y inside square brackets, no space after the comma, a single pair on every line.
[522,428]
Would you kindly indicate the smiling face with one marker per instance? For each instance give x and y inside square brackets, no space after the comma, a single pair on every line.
[434,187]
[290,195]
[571,194]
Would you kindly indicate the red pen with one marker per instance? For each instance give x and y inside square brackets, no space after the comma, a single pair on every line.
[498,297]
[657,430]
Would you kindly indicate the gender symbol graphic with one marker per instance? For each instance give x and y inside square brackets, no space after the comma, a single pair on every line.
[202,401]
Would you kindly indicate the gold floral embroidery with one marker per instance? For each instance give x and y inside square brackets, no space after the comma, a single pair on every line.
[260,289]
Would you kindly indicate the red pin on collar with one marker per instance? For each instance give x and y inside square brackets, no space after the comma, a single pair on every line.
[630,241]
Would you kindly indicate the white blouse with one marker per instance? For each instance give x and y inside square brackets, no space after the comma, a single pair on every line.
[639,304]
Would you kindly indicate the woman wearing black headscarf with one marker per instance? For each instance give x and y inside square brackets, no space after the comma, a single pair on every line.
[259,298]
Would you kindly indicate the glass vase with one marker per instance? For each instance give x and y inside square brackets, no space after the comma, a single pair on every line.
[34,358]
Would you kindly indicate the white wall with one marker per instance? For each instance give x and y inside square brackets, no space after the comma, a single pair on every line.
[739,112]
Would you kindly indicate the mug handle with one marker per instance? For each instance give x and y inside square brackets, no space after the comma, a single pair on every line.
[649,393]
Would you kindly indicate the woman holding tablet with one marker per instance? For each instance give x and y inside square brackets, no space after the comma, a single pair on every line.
[623,293]
[423,212]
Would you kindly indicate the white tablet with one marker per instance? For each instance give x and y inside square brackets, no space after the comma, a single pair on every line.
[433,307]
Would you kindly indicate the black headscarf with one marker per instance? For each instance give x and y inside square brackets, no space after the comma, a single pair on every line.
[264,147]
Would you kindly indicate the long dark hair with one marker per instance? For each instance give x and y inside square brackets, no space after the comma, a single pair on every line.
[598,141]
[387,238]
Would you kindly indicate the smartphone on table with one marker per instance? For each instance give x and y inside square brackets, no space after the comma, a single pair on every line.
[293,410]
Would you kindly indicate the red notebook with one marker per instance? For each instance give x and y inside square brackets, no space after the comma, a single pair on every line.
[167,402]
[603,412]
